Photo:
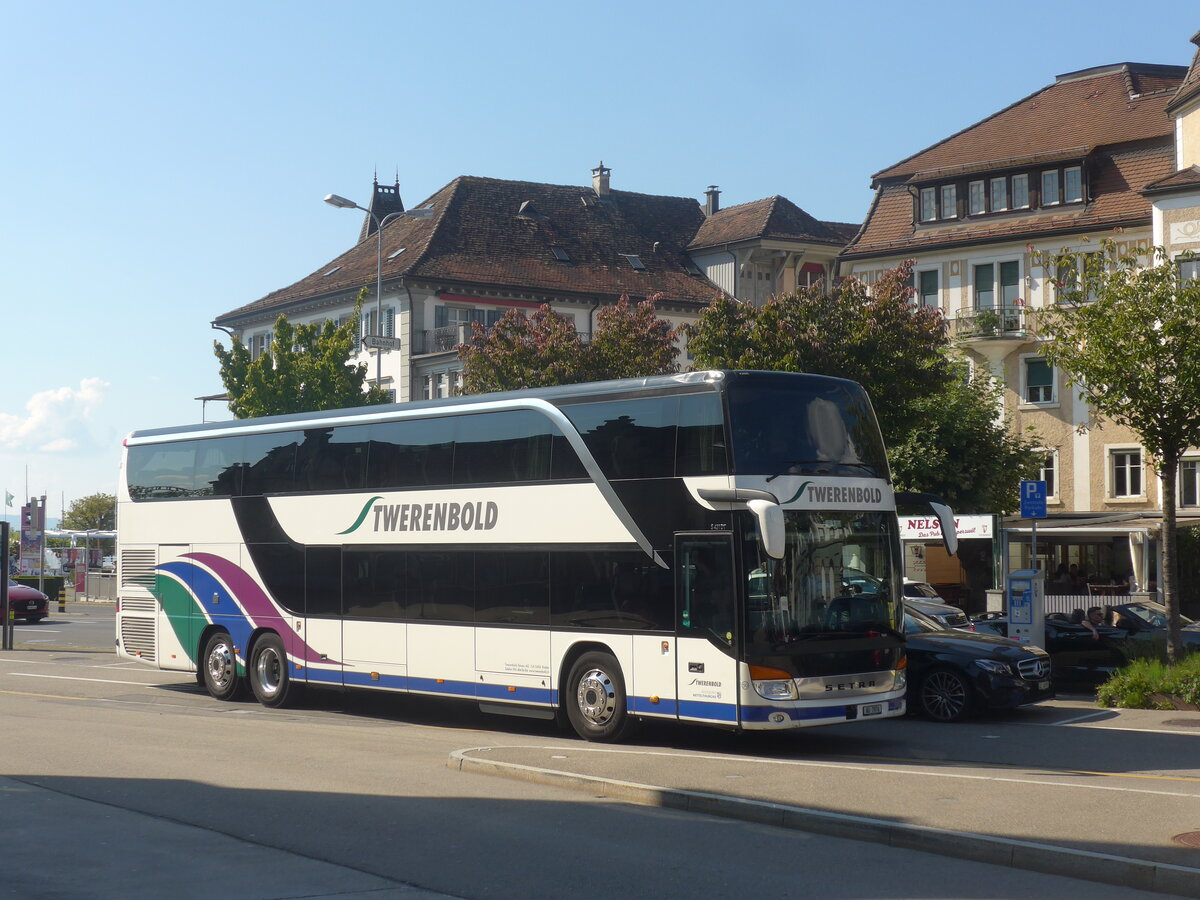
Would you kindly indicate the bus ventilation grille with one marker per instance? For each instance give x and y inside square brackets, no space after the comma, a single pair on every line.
[138,604]
[137,568]
[137,637]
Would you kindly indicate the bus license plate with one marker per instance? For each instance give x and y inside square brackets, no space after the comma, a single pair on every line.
[871,709]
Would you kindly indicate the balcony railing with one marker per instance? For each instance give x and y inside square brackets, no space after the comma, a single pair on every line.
[446,338]
[992,321]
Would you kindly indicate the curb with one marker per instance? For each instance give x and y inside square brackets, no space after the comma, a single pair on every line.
[1048,859]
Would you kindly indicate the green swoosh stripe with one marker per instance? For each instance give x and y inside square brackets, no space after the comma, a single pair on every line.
[361,516]
[792,499]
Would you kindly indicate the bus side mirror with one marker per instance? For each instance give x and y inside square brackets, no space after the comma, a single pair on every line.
[770,526]
[945,516]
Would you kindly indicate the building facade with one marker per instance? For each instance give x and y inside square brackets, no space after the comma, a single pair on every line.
[1056,172]
[481,246]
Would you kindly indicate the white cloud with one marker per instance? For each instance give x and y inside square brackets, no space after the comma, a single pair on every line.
[53,423]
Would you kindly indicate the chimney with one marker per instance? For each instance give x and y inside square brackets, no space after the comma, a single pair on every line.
[600,180]
[712,202]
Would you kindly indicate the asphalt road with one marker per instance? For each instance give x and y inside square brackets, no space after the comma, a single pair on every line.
[121,781]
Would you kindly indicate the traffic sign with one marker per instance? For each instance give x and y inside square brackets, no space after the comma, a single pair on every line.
[1033,499]
[378,342]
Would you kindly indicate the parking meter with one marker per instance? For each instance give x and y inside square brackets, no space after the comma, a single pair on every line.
[1027,607]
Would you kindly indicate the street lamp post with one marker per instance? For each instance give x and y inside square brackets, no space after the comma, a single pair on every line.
[342,203]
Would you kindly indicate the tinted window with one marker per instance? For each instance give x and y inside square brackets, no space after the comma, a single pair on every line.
[281,568]
[517,588]
[415,453]
[270,463]
[629,438]
[161,471]
[323,581]
[332,459]
[700,449]
[440,585]
[804,426]
[373,583]
[502,447]
[610,590]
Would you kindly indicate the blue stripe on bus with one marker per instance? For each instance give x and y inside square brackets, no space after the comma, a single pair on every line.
[643,706]
[712,712]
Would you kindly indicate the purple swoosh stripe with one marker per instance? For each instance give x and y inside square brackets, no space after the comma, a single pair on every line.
[257,604]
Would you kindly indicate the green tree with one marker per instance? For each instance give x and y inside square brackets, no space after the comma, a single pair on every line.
[960,450]
[544,349]
[894,349]
[306,368]
[1133,352]
[93,512]
[940,428]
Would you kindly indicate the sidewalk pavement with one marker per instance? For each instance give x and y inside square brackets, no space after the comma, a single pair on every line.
[1024,818]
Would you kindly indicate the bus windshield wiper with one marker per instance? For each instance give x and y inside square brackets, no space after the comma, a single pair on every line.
[820,462]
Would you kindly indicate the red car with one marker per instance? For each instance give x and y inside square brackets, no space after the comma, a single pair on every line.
[27,603]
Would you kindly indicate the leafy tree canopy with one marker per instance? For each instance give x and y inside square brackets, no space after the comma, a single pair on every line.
[306,368]
[959,449]
[544,349]
[940,427]
[1127,335]
[95,511]
[880,339]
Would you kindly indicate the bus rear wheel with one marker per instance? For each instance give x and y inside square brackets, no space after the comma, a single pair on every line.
[269,677]
[219,667]
[595,698]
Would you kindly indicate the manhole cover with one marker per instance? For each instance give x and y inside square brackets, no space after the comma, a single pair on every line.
[1183,723]
[1188,839]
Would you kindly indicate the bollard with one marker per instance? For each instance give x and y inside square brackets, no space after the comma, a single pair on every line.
[62,599]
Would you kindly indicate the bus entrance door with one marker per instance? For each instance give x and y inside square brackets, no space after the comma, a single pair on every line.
[706,669]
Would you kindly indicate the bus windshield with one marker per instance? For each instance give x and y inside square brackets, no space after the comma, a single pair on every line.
[824,426]
[839,574]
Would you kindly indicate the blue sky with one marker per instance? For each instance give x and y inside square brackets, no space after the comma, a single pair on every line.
[165,162]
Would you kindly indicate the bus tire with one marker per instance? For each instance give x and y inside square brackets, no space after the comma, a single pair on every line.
[218,668]
[268,670]
[595,698]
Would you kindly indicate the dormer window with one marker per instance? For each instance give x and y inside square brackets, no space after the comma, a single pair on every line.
[636,261]
[976,201]
[999,194]
[1050,188]
[949,201]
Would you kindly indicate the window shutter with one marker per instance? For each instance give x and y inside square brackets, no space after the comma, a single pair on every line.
[389,322]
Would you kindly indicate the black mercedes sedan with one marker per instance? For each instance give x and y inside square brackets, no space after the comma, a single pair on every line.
[952,673]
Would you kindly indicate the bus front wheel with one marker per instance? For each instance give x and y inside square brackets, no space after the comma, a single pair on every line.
[219,668]
[595,698]
[269,677]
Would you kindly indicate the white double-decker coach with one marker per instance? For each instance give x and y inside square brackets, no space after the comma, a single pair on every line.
[689,547]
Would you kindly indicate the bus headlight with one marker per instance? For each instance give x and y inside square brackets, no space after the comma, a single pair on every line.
[773,684]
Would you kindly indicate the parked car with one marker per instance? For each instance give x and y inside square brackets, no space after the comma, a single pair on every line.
[953,673]
[1078,655]
[1147,620]
[27,603]
[943,613]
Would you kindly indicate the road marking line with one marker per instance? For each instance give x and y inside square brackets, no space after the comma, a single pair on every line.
[905,769]
[73,678]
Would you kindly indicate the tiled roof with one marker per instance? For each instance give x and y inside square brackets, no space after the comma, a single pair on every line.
[775,217]
[1191,82]
[1185,179]
[479,236]
[1097,107]
[1117,179]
